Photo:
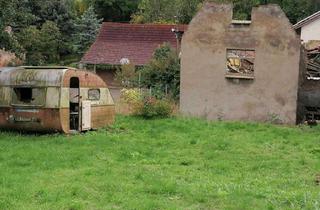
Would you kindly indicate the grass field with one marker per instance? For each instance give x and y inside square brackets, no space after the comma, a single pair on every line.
[163,164]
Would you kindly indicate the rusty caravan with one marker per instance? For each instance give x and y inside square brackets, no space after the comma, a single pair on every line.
[53,99]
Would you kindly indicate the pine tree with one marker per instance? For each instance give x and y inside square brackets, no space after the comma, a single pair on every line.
[86,30]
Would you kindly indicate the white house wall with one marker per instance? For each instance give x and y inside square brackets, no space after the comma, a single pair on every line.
[311,31]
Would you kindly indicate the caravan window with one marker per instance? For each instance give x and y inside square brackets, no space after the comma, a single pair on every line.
[94,94]
[24,94]
[28,96]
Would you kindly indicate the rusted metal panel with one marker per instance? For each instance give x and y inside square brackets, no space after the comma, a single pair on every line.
[5,96]
[53,97]
[20,76]
[64,98]
[102,116]
[30,119]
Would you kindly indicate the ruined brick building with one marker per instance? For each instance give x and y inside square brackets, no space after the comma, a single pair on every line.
[240,70]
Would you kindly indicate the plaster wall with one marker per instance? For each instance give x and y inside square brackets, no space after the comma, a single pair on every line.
[205,90]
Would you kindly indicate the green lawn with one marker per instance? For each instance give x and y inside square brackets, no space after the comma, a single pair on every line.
[163,164]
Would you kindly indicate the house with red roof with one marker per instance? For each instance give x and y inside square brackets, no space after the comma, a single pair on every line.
[121,43]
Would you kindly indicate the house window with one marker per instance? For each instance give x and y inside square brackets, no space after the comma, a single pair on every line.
[29,96]
[240,64]
[94,94]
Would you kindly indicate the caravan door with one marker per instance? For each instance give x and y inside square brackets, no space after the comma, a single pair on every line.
[86,116]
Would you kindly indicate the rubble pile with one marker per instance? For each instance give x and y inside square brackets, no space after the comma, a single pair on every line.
[313,64]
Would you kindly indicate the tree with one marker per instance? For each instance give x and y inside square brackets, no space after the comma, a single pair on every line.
[59,11]
[10,43]
[50,40]
[183,10]
[115,10]
[41,45]
[16,15]
[29,17]
[162,74]
[30,39]
[187,9]
[20,15]
[80,6]
[297,10]
[159,11]
[86,30]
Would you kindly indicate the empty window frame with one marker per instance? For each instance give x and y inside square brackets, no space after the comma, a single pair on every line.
[28,96]
[240,63]
[94,94]
[24,94]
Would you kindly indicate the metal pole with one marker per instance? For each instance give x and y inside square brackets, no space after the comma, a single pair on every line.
[166,89]
[140,82]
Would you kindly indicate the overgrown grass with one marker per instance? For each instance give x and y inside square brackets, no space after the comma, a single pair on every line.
[163,164]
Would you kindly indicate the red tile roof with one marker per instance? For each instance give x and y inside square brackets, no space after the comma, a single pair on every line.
[136,42]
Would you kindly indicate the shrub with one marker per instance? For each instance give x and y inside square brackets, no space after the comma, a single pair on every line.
[127,76]
[146,106]
[162,73]
[130,100]
[150,107]
[163,108]
[130,96]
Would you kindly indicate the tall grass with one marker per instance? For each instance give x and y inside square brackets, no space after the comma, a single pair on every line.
[163,164]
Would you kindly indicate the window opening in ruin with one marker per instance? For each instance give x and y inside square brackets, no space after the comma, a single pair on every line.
[240,63]
[313,64]
[241,14]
